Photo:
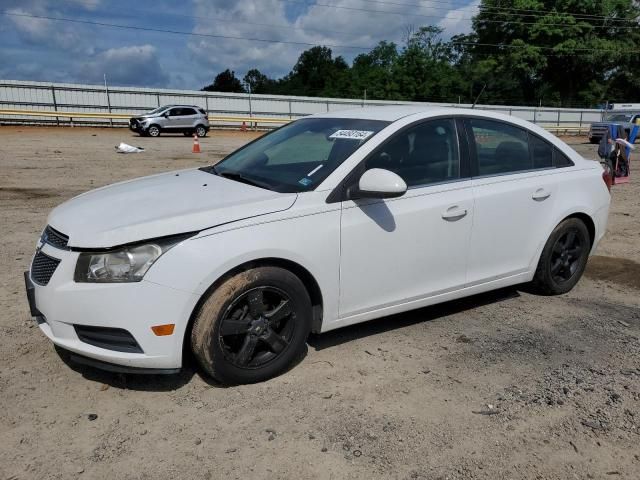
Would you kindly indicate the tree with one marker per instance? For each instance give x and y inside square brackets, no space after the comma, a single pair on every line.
[555,48]
[259,82]
[373,72]
[316,72]
[225,82]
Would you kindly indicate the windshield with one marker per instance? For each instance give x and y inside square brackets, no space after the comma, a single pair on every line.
[298,156]
[619,117]
[157,110]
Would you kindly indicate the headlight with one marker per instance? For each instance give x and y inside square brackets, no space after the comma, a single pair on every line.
[126,264]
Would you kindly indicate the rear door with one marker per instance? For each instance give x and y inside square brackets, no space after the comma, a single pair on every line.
[176,119]
[514,187]
[190,117]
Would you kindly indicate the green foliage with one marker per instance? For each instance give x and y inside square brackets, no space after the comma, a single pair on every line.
[225,82]
[526,52]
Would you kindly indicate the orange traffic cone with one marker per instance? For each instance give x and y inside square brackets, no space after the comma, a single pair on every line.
[243,128]
[196,144]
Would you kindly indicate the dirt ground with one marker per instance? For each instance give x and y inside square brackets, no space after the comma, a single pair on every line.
[506,385]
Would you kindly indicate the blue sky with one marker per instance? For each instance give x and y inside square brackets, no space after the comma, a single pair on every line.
[47,50]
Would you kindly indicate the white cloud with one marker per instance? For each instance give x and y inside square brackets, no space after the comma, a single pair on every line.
[37,31]
[316,25]
[459,20]
[131,65]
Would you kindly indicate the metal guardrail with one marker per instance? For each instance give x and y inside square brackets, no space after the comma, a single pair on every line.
[131,101]
[117,116]
[255,121]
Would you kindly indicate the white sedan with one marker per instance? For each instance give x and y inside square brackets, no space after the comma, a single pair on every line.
[332,220]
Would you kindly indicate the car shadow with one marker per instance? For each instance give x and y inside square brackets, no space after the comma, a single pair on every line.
[401,320]
[166,383]
[131,381]
[149,382]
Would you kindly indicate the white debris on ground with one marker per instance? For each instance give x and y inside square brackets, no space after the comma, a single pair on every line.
[125,148]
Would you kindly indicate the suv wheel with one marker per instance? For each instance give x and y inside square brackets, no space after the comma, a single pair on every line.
[154,131]
[201,131]
[253,326]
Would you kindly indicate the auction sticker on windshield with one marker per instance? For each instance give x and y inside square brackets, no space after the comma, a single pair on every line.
[352,134]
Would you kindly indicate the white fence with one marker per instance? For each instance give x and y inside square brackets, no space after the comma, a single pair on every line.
[64,97]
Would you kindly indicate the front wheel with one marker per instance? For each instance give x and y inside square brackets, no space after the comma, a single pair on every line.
[154,131]
[563,258]
[253,326]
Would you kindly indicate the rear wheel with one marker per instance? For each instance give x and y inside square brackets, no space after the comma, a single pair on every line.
[201,131]
[563,258]
[253,326]
[153,131]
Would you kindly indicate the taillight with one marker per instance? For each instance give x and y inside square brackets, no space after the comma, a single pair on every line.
[608,178]
[206,117]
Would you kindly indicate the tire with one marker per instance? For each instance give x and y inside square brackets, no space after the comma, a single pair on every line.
[153,131]
[563,258]
[201,131]
[238,338]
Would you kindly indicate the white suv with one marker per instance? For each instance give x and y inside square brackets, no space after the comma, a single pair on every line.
[329,221]
[186,119]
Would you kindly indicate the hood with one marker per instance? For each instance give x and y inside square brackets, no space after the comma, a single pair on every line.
[161,205]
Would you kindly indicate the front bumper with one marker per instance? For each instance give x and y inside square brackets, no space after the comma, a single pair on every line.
[137,126]
[63,304]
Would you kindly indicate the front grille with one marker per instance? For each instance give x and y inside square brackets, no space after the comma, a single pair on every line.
[116,339]
[55,238]
[42,268]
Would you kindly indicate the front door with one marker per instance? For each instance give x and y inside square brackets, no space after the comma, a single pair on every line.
[399,250]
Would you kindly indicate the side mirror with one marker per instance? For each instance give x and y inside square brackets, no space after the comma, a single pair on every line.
[165,114]
[379,183]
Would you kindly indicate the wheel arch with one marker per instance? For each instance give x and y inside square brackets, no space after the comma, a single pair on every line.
[580,215]
[308,280]
[588,221]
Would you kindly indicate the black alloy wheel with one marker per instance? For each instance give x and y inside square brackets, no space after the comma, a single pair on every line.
[257,327]
[566,255]
[252,326]
[563,258]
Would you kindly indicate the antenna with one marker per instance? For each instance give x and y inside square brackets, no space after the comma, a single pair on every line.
[478,97]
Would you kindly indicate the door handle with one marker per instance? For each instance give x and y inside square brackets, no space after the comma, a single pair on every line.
[540,195]
[454,213]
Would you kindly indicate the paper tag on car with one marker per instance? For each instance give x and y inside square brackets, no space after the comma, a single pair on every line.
[351,134]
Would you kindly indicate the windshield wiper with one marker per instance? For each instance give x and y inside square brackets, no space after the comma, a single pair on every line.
[238,177]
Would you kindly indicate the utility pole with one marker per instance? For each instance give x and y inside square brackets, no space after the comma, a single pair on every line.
[250,106]
[106,91]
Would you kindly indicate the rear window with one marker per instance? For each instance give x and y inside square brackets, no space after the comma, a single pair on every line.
[541,152]
[201,110]
[560,159]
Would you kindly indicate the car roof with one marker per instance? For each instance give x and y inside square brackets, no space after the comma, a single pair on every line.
[393,113]
[181,106]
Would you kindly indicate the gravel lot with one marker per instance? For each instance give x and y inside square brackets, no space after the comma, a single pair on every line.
[506,385]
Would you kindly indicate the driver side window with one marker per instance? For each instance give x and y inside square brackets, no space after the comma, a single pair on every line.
[424,154]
